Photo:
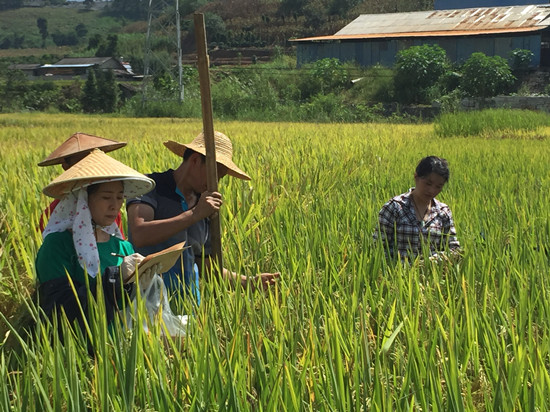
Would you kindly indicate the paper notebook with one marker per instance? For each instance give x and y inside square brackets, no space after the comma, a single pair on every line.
[167,258]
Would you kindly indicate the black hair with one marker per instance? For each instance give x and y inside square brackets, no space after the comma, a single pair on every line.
[433,164]
[95,186]
[92,188]
[189,152]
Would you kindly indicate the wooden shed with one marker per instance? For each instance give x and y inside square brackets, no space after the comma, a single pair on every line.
[373,39]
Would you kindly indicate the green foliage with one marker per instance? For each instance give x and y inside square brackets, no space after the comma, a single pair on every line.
[10,4]
[190,6]
[17,24]
[417,71]
[100,93]
[159,107]
[240,94]
[374,84]
[323,76]
[165,84]
[520,59]
[90,98]
[342,7]
[484,76]
[345,330]
[330,107]
[216,31]
[43,29]
[108,91]
[132,9]
[81,30]
[65,39]
[490,123]
[109,47]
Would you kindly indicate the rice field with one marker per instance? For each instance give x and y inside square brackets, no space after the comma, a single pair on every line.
[344,329]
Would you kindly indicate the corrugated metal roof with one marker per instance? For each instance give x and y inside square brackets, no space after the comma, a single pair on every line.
[59,66]
[82,60]
[461,22]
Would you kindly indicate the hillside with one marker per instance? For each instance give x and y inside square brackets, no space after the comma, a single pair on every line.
[255,25]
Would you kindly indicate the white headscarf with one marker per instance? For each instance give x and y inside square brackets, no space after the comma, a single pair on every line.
[73,212]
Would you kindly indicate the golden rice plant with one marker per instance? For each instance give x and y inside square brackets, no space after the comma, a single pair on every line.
[344,329]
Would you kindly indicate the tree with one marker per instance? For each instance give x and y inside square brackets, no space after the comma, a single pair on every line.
[108,48]
[94,41]
[108,93]
[132,9]
[291,7]
[342,7]
[42,24]
[90,96]
[417,71]
[324,76]
[215,28]
[10,4]
[484,76]
[81,30]
[100,93]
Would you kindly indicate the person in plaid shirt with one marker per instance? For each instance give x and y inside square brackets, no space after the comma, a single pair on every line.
[415,219]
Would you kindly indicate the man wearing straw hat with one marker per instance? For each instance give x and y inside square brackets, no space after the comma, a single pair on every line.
[71,151]
[178,210]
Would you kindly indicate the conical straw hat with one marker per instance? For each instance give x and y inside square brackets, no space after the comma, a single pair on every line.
[80,143]
[224,152]
[98,167]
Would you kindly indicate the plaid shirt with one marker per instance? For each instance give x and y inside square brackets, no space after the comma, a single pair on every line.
[399,228]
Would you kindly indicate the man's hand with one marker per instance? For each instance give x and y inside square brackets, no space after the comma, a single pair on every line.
[208,204]
[261,281]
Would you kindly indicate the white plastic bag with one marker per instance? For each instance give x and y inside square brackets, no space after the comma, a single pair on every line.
[155,298]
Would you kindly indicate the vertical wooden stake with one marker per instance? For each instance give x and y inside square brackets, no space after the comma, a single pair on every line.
[208,130]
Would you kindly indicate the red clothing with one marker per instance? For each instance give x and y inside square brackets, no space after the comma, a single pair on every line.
[48,212]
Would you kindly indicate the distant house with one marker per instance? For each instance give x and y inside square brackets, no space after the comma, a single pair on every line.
[30,70]
[79,66]
[373,39]
[70,67]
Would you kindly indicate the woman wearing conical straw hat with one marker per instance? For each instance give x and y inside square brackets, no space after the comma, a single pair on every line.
[70,152]
[82,240]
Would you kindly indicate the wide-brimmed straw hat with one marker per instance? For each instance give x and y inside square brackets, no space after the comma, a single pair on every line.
[224,152]
[78,144]
[98,167]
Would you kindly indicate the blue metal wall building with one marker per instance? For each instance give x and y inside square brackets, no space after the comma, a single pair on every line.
[376,39]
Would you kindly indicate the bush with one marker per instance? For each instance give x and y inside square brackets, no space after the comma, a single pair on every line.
[136,107]
[375,84]
[417,71]
[484,76]
[520,59]
[323,76]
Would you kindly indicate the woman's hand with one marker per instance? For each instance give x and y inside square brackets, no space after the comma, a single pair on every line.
[129,265]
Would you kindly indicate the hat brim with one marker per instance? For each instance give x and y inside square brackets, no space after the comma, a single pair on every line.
[133,186]
[232,168]
[98,167]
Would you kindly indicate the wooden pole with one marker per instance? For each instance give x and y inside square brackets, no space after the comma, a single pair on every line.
[208,130]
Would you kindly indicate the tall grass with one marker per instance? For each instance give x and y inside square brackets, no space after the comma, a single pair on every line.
[344,329]
[496,123]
